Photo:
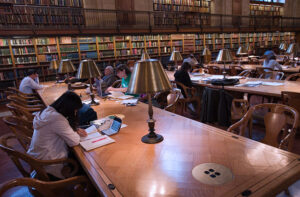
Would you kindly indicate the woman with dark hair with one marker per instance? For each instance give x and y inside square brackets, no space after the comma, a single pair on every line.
[123,73]
[54,130]
[182,76]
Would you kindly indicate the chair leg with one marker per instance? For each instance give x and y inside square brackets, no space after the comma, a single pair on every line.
[250,128]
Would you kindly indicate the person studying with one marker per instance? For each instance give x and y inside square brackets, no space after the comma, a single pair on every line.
[30,83]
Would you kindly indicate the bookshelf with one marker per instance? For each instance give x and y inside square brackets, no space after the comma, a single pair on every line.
[187,8]
[17,55]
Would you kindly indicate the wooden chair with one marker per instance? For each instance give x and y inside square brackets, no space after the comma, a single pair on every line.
[29,96]
[24,102]
[245,73]
[22,132]
[260,70]
[293,77]
[291,99]
[117,84]
[276,124]
[214,70]
[37,166]
[173,100]
[22,112]
[78,185]
[272,75]
[234,70]
[191,97]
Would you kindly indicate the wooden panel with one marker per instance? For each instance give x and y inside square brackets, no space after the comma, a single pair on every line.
[165,169]
[237,11]
[125,18]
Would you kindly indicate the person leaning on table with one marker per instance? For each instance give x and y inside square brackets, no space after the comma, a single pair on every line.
[270,61]
[55,131]
[30,83]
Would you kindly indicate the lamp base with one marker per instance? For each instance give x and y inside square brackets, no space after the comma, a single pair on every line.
[149,139]
[93,103]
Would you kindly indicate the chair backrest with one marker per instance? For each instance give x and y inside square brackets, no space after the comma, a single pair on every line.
[293,77]
[17,91]
[234,70]
[214,70]
[17,157]
[276,124]
[117,84]
[272,75]
[172,100]
[19,100]
[291,99]
[21,128]
[245,73]
[261,70]
[20,111]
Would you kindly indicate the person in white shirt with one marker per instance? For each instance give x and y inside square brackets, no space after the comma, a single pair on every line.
[54,131]
[191,60]
[270,61]
[30,82]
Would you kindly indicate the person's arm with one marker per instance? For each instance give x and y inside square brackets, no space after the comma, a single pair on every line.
[110,81]
[275,64]
[116,89]
[34,85]
[64,130]
[187,80]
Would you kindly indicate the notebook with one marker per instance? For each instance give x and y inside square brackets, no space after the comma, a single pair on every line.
[94,139]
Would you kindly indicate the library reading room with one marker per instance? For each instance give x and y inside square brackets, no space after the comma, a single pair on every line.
[146,98]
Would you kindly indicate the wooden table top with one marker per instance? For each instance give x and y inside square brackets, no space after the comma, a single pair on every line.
[285,69]
[165,169]
[274,91]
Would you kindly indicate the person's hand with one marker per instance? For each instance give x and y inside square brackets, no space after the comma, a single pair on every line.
[81,132]
[109,89]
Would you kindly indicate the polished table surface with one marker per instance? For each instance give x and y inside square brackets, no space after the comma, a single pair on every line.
[285,69]
[165,169]
[274,91]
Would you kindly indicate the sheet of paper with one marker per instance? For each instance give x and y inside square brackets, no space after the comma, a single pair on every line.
[96,142]
[272,83]
[91,129]
[130,101]
[88,101]
[90,136]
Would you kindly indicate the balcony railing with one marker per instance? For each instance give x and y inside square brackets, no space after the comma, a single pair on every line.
[36,18]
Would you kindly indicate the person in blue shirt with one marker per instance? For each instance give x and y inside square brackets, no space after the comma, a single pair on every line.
[270,61]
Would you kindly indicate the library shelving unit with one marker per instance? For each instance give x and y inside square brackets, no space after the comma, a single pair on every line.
[17,55]
[187,8]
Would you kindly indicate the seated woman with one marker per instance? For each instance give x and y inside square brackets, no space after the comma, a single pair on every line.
[123,73]
[270,61]
[182,76]
[55,130]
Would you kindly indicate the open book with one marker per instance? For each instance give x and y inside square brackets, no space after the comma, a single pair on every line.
[119,95]
[94,139]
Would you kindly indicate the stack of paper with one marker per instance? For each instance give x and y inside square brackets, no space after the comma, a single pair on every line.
[119,95]
[130,102]
[94,139]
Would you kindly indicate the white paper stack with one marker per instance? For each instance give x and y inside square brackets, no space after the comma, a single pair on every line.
[119,95]
[94,139]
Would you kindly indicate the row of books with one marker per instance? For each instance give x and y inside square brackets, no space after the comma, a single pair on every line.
[23,51]
[68,48]
[47,49]
[18,42]
[86,47]
[7,75]
[73,3]
[70,56]
[87,39]
[89,55]
[22,60]
[151,44]
[5,61]
[3,42]
[21,73]
[4,52]
[137,44]
[45,41]
[121,45]
[47,58]
[106,46]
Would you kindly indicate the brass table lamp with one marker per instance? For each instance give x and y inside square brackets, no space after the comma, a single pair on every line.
[88,70]
[148,77]
[66,66]
[145,56]
[242,51]
[206,55]
[175,57]
[54,65]
[282,47]
[224,56]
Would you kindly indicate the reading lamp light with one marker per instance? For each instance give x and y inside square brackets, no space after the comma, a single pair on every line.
[54,65]
[66,66]
[224,57]
[145,56]
[175,57]
[207,55]
[241,52]
[148,77]
[88,70]
[291,50]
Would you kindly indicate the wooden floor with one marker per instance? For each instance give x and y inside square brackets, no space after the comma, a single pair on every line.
[8,170]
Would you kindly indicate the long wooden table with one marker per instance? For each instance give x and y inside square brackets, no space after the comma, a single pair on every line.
[132,168]
[285,69]
[273,91]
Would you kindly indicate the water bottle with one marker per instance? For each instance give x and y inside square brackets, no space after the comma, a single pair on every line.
[98,86]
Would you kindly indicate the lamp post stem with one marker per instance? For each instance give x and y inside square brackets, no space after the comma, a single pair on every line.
[69,82]
[151,137]
[93,102]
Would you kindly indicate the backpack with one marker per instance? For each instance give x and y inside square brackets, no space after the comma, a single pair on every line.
[86,114]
